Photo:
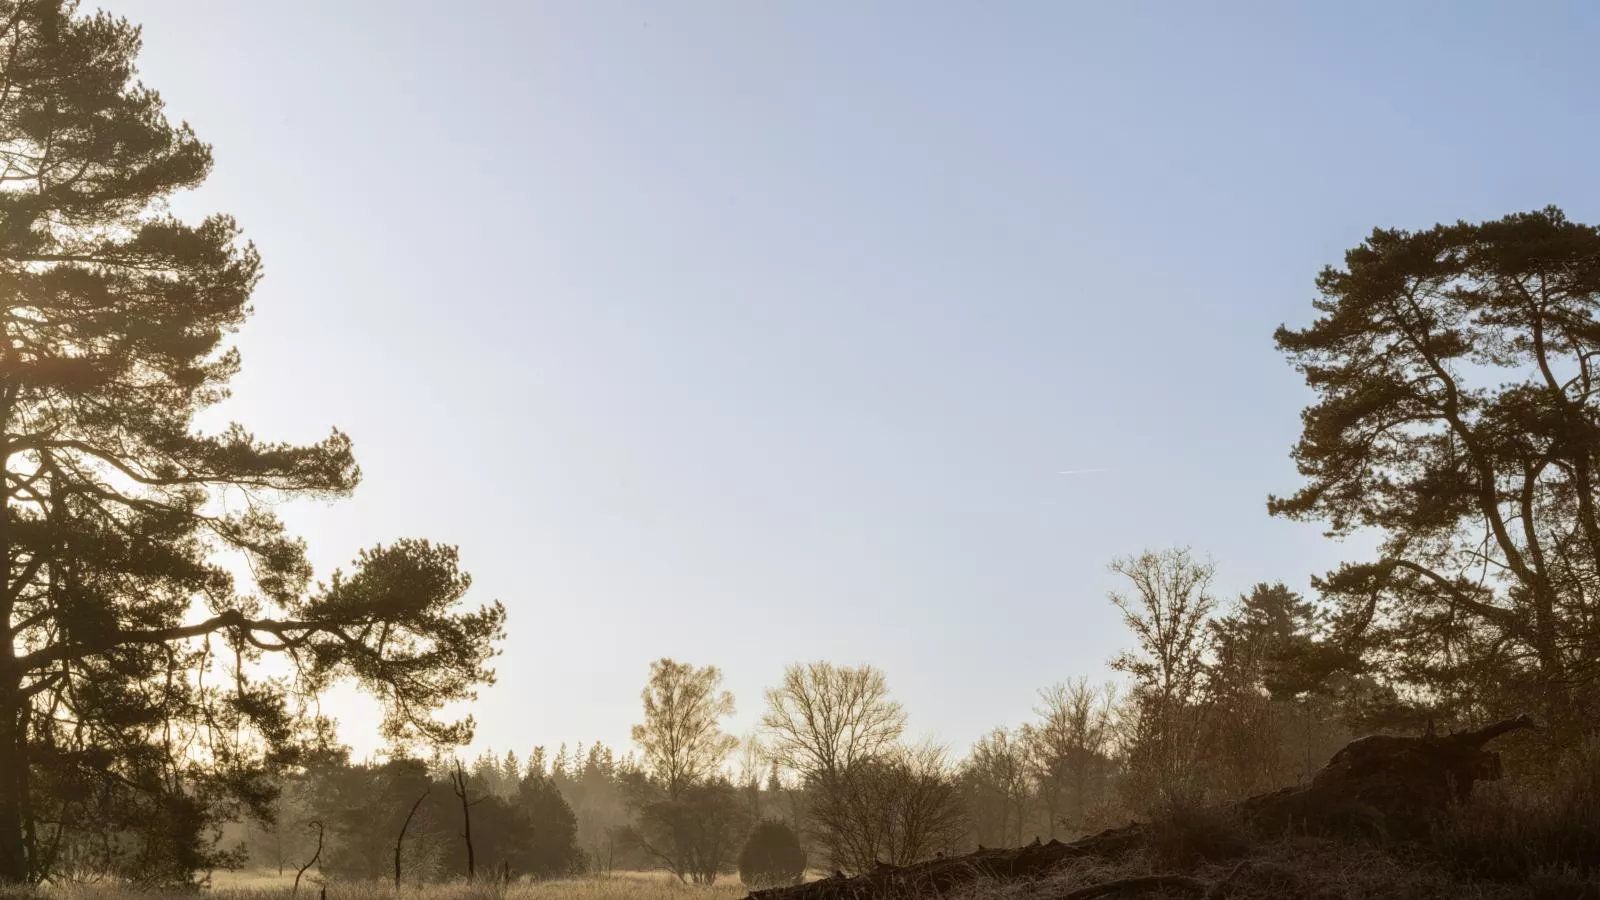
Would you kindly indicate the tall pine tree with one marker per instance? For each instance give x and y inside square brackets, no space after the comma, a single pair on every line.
[1457,415]
[129,698]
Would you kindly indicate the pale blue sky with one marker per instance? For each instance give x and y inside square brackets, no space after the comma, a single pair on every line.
[752,333]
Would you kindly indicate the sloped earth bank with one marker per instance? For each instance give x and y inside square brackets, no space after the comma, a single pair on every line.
[1380,786]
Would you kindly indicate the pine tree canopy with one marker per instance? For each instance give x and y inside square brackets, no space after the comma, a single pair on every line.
[147,576]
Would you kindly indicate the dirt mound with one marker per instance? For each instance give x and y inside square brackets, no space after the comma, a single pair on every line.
[1380,786]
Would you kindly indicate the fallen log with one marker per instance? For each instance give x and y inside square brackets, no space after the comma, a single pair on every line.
[1383,786]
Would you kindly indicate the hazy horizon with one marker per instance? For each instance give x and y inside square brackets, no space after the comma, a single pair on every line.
[753,335]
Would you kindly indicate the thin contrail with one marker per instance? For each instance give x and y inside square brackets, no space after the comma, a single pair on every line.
[1081,471]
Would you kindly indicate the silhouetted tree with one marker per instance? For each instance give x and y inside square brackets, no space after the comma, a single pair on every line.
[510,772]
[899,806]
[753,763]
[820,723]
[693,834]
[681,736]
[112,532]
[595,790]
[685,822]
[489,775]
[1068,750]
[1167,614]
[1457,415]
[399,821]
[400,839]
[365,808]
[863,794]
[823,718]
[772,857]
[552,850]
[1001,785]
[459,785]
[278,843]
[1271,688]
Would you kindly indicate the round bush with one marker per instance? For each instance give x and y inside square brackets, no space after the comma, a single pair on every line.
[772,857]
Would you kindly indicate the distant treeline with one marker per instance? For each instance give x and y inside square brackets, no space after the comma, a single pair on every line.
[1223,703]
[536,818]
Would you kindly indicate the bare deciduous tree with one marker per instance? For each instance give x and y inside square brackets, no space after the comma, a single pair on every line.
[823,718]
[681,736]
[836,728]
[999,771]
[898,807]
[459,784]
[752,765]
[690,816]
[1067,748]
[695,835]
[1167,614]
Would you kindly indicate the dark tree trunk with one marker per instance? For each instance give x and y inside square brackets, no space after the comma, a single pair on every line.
[459,782]
[13,759]
[13,783]
[405,826]
[310,862]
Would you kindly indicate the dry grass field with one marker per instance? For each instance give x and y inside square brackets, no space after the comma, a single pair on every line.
[267,885]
